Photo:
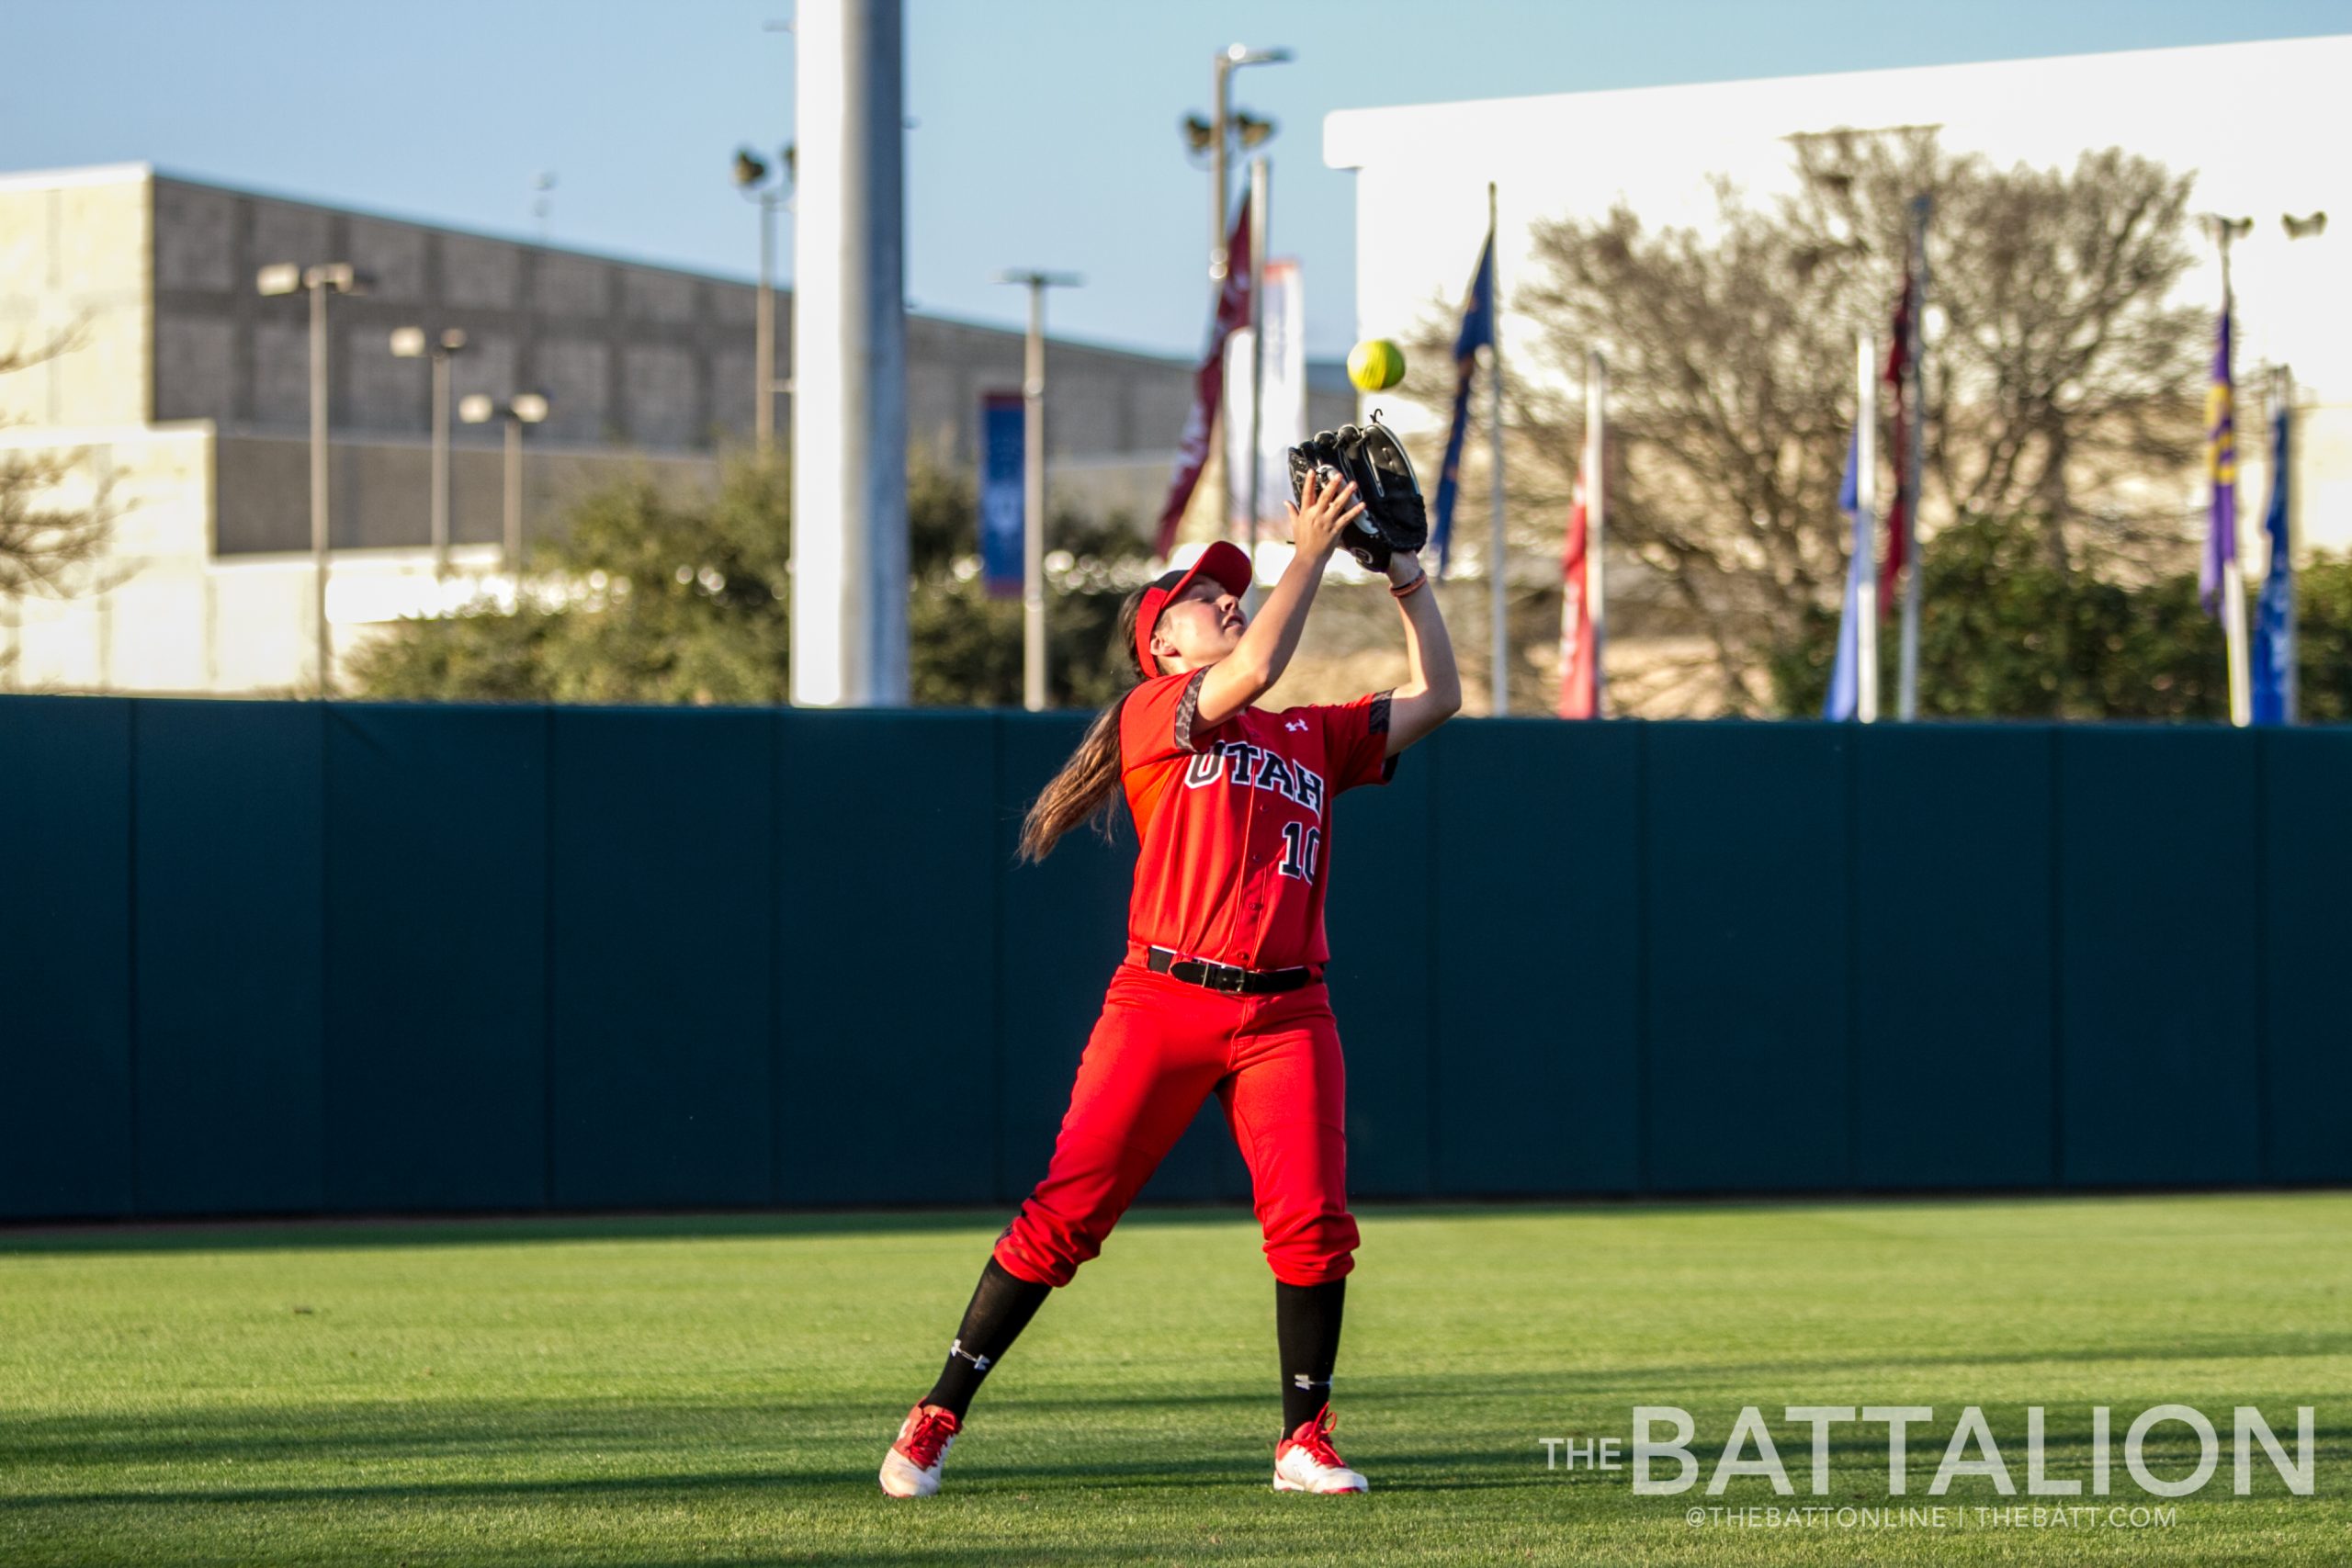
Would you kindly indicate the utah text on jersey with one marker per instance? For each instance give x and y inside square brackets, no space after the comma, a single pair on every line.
[1239,762]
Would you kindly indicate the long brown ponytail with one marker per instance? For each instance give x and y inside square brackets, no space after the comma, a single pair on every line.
[1089,782]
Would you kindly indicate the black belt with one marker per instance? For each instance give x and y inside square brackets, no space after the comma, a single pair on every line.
[1228,978]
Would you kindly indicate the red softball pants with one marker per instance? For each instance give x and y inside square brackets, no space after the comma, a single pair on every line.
[1160,1048]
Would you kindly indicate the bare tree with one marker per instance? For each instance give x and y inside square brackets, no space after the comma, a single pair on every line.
[53,522]
[2061,383]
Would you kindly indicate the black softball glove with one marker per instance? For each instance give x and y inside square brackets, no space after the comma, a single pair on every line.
[1371,458]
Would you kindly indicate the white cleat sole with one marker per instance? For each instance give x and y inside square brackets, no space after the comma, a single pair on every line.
[902,1478]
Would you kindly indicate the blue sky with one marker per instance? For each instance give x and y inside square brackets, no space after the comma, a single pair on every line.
[1047,128]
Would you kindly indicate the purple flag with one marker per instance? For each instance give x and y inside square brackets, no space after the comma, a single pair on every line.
[2221,469]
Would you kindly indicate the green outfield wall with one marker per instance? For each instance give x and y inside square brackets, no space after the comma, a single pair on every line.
[265,958]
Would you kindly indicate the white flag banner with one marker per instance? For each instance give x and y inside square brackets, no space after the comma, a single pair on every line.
[1282,422]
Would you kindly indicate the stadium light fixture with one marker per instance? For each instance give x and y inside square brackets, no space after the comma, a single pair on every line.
[279,280]
[412,343]
[765,185]
[522,408]
[1214,134]
[1033,473]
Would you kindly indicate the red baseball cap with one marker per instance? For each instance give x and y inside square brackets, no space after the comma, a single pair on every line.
[1226,565]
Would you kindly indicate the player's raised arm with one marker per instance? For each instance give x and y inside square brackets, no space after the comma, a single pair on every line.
[1263,653]
[1432,690]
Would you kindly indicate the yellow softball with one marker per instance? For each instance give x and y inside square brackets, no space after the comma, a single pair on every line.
[1375,364]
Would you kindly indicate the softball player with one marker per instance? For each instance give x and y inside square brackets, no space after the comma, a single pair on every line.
[1222,989]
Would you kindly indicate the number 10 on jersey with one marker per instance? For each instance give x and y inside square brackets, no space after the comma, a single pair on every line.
[1300,845]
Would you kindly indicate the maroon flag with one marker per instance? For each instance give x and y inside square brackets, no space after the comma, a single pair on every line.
[1208,384]
[1898,377]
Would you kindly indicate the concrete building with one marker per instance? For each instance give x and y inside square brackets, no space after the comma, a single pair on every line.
[186,391]
[2257,123]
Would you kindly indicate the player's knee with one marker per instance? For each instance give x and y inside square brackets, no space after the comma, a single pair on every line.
[1315,1251]
[1046,1252]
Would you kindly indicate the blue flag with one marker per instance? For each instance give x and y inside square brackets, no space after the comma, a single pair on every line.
[1004,498]
[1846,675]
[2274,621]
[1477,332]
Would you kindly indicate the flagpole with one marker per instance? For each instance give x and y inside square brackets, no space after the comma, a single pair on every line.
[1915,413]
[1865,610]
[1497,552]
[2283,389]
[2233,579]
[1595,508]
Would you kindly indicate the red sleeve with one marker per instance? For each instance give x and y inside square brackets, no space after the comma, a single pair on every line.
[1356,742]
[1157,720]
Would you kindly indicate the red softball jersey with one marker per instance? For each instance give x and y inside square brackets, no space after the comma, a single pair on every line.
[1234,820]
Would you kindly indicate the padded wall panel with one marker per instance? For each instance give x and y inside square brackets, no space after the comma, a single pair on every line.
[1953,1004]
[1745,845]
[1536,952]
[2307,872]
[885,957]
[661,941]
[2159,973]
[230,921]
[65,1117]
[436,957]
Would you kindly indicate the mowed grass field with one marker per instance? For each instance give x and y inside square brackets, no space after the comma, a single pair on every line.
[721,1390]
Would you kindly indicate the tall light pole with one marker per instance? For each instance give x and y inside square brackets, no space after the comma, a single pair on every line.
[1033,484]
[327,278]
[1214,138]
[522,408]
[411,342]
[1213,135]
[1260,191]
[760,183]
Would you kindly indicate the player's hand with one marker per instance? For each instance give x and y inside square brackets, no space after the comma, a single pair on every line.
[1321,514]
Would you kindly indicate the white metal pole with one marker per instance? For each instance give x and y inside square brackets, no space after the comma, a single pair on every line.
[1596,512]
[763,334]
[1915,459]
[514,521]
[2283,390]
[1218,215]
[1865,610]
[318,535]
[1033,533]
[440,464]
[849,407]
[1261,193]
[1497,551]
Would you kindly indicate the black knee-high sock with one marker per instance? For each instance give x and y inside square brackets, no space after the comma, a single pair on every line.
[1306,1329]
[1001,1307]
